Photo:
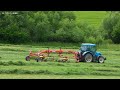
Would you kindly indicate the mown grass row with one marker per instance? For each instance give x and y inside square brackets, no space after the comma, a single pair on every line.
[107,64]
[55,68]
[53,45]
[68,71]
[39,45]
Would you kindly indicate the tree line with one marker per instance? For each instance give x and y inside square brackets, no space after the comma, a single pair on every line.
[55,26]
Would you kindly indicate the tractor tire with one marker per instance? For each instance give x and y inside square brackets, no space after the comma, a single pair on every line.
[101,59]
[27,58]
[88,57]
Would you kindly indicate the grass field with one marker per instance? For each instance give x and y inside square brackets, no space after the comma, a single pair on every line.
[93,18]
[14,66]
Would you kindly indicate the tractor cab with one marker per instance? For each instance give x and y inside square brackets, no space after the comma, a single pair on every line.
[88,47]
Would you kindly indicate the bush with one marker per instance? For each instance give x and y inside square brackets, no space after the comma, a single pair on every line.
[90,40]
[99,40]
[116,33]
[111,26]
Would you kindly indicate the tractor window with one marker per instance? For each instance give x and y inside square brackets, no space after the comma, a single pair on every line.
[83,48]
[93,48]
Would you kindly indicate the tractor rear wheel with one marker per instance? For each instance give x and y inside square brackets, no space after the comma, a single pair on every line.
[101,59]
[88,57]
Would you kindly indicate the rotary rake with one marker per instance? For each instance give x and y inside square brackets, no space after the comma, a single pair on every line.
[53,55]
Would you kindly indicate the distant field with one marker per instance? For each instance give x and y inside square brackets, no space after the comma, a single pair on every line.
[94,18]
[13,64]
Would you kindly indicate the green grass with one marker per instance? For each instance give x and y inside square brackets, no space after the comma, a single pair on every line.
[93,18]
[13,64]
[39,76]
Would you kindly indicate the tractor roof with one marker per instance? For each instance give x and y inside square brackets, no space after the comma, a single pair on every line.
[89,44]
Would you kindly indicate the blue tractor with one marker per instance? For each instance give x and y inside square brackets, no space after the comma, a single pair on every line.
[88,53]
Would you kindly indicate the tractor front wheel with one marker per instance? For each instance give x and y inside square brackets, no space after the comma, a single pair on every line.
[101,59]
[88,57]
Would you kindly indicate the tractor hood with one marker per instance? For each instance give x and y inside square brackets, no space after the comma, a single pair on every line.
[98,54]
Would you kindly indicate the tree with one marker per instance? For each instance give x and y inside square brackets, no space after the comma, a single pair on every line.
[111,26]
[116,33]
[40,26]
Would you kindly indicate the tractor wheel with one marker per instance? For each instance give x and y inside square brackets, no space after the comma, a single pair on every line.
[27,58]
[101,59]
[88,57]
